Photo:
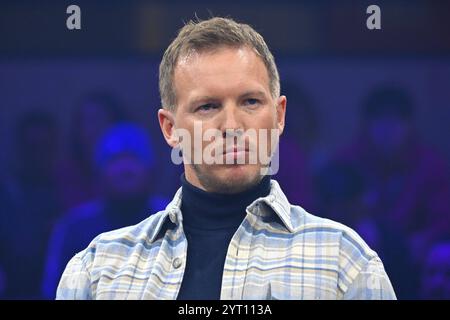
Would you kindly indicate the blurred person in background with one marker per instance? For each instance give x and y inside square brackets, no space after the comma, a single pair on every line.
[124,160]
[298,148]
[95,113]
[407,182]
[341,193]
[30,204]
[436,272]
[8,208]
[304,126]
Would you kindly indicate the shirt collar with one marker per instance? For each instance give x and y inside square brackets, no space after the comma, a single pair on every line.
[276,200]
[278,204]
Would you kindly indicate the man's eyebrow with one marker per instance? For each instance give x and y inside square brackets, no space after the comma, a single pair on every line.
[201,99]
[256,93]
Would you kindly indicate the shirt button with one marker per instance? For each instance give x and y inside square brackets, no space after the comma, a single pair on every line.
[271,198]
[176,263]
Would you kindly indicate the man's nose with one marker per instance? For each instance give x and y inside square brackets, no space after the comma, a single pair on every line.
[231,122]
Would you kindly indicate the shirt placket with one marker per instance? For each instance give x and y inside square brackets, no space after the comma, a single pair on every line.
[236,263]
[170,263]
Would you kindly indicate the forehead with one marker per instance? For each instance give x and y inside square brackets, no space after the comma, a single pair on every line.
[223,68]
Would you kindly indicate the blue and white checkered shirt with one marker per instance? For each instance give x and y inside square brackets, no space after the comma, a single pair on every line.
[278,252]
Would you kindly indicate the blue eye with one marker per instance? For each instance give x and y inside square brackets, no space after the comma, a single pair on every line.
[206,107]
[252,102]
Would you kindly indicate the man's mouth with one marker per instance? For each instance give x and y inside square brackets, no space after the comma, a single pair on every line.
[235,152]
[236,149]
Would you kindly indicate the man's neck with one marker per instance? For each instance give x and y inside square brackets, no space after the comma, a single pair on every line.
[211,210]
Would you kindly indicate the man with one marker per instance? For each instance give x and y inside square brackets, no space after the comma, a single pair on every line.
[29,203]
[94,114]
[229,233]
[407,182]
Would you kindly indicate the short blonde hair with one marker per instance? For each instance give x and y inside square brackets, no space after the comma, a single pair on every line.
[208,35]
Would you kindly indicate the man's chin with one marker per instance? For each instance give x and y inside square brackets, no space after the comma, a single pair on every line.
[236,178]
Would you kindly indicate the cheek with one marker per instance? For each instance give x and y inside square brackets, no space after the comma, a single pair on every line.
[271,141]
[274,118]
[268,121]
[185,135]
[264,119]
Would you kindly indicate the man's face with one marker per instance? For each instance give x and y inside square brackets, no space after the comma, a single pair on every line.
[94,120]
[125,177]
[38,148]
[389,133]
[225,90]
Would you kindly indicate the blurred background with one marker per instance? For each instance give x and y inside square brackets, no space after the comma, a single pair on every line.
[366,143]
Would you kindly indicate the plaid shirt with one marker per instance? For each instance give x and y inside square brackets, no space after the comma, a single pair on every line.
[278,252]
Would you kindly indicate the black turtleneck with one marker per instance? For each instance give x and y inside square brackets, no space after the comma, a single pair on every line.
[210,221]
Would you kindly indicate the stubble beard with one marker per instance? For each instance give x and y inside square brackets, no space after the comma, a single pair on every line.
[212,183]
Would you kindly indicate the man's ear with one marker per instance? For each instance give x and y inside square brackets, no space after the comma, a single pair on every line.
[281,113]
[167,124]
